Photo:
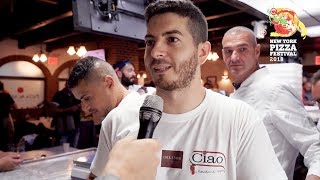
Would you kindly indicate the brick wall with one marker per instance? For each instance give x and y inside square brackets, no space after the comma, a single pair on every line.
[120,49]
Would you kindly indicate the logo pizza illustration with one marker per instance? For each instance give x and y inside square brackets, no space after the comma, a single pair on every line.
[285,22]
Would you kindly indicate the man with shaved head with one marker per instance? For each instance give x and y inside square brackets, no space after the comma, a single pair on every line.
[95,83]
[280,107]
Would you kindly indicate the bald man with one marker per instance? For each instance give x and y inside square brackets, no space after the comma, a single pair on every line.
[95,83]
[280,107]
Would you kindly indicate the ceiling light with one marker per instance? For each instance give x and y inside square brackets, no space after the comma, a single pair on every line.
[35,58]
[43,58]
[81,51]
[71,50]
[213,56]
[144,75]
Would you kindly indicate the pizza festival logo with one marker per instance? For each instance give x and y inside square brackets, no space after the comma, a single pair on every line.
[286,24]
[207,162]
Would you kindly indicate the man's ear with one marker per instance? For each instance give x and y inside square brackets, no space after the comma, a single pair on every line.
[203,51]
[257,51]
[119,73]
[108,81]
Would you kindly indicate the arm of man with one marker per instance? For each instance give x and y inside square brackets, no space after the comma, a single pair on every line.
[256,159]
[292,120]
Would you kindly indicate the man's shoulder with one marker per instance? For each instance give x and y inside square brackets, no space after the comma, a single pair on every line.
[133,99]
[227,104]
[218,98]
[128,108]
[235,112]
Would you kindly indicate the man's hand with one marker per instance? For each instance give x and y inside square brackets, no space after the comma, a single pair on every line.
[313,177]
[134,159]
[10,161]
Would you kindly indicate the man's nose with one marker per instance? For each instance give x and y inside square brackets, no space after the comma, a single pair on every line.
[234,55]
[158,50]
[85,107]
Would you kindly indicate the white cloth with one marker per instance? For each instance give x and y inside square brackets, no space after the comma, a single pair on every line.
[136,87]
[119,123]
[220,139]
[287,122]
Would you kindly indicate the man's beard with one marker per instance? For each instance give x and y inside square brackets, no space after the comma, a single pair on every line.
[127,81]
[185,73]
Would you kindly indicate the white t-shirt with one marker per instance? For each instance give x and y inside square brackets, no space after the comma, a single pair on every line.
[220,139]
[119,123]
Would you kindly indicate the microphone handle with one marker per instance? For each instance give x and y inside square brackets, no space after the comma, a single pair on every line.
[150,129]
[147,126]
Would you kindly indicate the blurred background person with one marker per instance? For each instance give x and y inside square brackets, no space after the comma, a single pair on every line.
[306,93]
[316,87]
[66,116]
[6,124]
[125,72]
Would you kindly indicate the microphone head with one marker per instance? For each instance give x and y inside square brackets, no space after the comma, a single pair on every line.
[153,101]
[150,115]
[151,109]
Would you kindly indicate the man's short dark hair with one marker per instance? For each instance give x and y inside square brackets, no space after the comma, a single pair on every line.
[197,23]
[82,70]
[315,77]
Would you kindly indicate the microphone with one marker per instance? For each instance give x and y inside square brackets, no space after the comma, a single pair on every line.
[150,115]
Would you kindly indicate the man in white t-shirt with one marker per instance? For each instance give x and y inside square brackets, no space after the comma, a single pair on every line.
[205,135]
[95,83]
[290,128]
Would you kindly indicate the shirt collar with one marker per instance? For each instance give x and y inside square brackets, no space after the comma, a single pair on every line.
[256,76]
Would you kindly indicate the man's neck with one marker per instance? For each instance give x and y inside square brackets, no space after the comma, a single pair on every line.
[240,79]
[121,93]
[182,100]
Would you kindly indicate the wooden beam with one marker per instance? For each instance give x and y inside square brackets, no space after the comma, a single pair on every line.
[220,28]
[45,22]
[61,37]
[49,2]
[223,15]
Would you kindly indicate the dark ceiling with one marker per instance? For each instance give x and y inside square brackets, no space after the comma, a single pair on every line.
[51,22]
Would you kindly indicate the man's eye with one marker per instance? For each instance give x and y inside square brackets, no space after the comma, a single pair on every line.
[172,39]
[227,51]
[242,49]
[149,42]
[86,98]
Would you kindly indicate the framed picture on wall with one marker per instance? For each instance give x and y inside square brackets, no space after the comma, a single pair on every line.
[212,80]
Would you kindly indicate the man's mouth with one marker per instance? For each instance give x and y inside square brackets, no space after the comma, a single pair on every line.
[161,68]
